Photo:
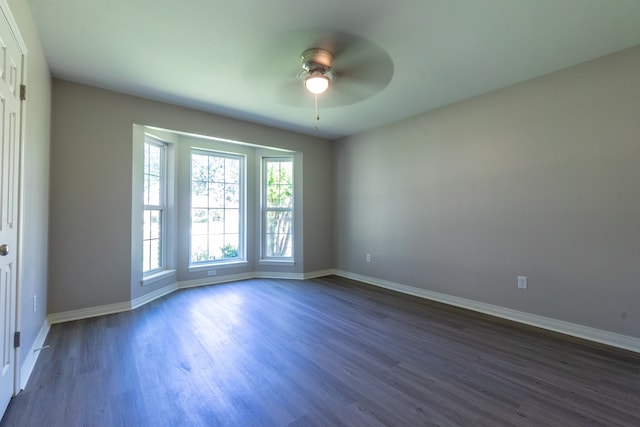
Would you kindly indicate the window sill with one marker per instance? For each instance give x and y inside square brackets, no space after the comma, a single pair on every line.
[156,277]
[281,262]
[214,266]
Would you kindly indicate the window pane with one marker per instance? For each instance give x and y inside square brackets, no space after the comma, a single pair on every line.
[145,255]
[232,221]
[199,248]
[278,245]
[279,222]
[154,190]
[152,243]
[146,230]
[287,168]
[278,233]
[272,171]
[230,248]
[199,222]
[216,195]
[199,194]
[279,184]
[156,221]
[154,159]
[216,221]
[146,190]
[284,197]
[216,244]
[232,196]
[154,262]
[146,158]
[232,171]
[216,168]
[199,168]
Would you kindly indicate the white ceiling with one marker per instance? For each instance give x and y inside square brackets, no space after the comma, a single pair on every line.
[234,57]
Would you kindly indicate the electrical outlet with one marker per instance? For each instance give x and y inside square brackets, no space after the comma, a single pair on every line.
[522,282]
[35,303]
[368,257]
[211,273]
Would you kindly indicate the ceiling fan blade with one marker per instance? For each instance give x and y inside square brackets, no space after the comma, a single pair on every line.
[293,94]
[352,87]
[347,92]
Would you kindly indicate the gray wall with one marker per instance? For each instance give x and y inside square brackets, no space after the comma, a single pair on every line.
[541,179]
[91,191]
[35,215]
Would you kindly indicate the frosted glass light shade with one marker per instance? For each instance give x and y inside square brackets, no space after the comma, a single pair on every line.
[316,83]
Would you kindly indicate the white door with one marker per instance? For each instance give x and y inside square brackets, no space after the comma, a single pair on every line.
[10,80]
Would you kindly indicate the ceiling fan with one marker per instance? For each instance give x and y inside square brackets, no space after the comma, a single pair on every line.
[344,68]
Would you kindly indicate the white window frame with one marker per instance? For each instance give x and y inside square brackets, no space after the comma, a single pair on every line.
[242,252]
[264,210]
[162,206]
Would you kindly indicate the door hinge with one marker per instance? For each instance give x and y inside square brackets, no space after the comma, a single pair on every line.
[16,340]
[23,92]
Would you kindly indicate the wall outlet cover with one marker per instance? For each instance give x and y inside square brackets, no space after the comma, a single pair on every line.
[522,282]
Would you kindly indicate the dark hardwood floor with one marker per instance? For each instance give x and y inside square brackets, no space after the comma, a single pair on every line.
[320,352]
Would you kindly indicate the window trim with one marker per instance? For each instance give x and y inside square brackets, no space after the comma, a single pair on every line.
[241,259]
[264,258]
[162,207]
[158,276]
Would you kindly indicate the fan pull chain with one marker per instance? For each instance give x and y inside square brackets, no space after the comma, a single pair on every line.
[317,114]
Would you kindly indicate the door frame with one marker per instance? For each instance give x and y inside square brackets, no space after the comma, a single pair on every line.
[7,15]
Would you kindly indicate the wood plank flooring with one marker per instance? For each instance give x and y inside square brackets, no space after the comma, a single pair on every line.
[322,352]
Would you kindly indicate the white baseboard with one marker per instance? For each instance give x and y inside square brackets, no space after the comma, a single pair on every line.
[84,313]
[101,310]
[151,296]
[278,275]
[572,329]
[597,335]
[214,280]
[319,273]
[567,328]
[32,356]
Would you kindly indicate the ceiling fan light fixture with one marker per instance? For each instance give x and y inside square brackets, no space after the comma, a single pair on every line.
[316,83]
[316,73]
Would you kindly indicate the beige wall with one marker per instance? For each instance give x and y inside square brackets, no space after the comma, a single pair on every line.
[541,179]
[35,182]
[91,191]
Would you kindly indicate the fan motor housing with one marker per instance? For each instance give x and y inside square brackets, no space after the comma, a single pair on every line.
[317,60]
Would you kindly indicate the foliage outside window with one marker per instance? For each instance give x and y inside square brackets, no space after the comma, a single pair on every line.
[216,207]
[154,205]
[277,208]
